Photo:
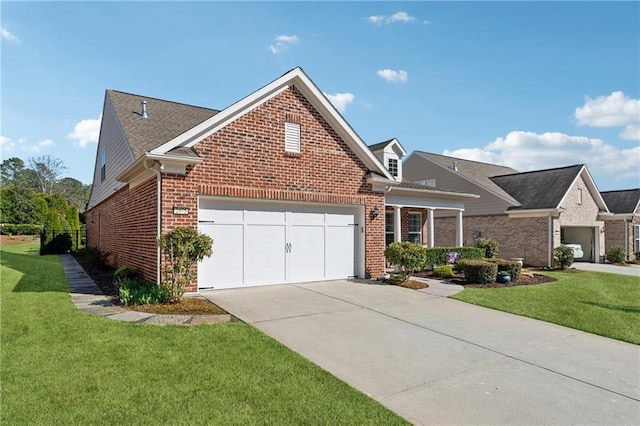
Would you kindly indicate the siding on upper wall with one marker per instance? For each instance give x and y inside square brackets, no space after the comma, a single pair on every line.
[118,153]
[416,168]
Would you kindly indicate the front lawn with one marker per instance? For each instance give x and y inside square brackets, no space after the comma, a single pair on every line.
[600,303]
[61,366]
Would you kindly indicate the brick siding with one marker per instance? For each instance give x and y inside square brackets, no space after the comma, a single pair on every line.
[246,159]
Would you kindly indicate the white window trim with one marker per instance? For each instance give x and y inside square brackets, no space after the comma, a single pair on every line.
[636,238]
[419,233]
[292,137]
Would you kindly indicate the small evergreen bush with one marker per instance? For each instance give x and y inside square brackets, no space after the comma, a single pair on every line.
[512,268]
[443,271]
[123,274]
[20,229]
[617,255]
[489,246]
[409,256]
[138,292]
[479,271]
[563,257]
[438,255]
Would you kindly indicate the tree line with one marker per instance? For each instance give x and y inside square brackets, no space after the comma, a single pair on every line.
[34,195]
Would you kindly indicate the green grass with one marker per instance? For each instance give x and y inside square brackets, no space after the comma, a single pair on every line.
[61,366]
[600,303]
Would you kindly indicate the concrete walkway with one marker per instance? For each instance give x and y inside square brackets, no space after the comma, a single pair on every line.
[633,270]
[88,298]
[435,360]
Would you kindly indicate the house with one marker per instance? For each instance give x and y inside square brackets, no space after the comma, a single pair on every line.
[622,228]
[528,213]
[282,183]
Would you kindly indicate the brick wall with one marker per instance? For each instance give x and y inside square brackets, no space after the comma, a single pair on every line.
[246,159]
[522,237]
[124,225]
[614,236]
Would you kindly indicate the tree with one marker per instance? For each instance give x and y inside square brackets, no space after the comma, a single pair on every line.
[409,256]
[11,171]
[183,248]
[48,169]
[74,191]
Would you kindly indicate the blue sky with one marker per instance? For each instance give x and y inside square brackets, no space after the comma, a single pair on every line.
[527,84]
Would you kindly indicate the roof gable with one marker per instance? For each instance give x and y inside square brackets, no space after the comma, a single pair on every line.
[309,90]
[393,144]
[622,201]
[165,121]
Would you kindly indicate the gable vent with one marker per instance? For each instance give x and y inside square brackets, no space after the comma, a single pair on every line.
[292,137]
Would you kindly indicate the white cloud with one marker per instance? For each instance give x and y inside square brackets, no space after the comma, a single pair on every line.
[340,100]
[45,143]
[401,17]
[393,76]
[282,42]
[615,110]
[7,35]
[6,144]
[86,131]
[526,151]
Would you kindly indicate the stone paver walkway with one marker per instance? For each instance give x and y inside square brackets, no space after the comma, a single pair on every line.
[88,297]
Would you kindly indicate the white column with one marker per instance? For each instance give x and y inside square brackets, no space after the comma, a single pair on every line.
[459,231]
[430,235]
[397,224]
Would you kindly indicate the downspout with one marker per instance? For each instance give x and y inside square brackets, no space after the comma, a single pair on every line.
[626,240]
[157,167]
[550,248]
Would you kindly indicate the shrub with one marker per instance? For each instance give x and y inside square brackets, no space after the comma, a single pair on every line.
[438,255]
[138,292]
[479,271]
[95,258]
[183,248]
[123,274]
[409,256]
[617,255]
[563,257]
[512,268]
[443,271]
[490,247]
[20,229]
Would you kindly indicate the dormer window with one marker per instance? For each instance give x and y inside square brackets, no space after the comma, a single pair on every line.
[103,164]
[393,167]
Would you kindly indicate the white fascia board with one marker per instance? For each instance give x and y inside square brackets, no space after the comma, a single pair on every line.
[447,194]
[173,158]
[397,147]
[171,164]
[381,183]
[591,185]
[533,212]
[617,216]
[295,77]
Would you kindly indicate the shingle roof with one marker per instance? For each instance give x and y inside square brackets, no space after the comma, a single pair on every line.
[476,171]
[165,121]
[379,145]
[623,201]
[539,189]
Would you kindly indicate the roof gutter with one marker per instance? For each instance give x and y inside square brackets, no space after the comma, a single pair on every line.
[534,212]
[436,192]
[156,167]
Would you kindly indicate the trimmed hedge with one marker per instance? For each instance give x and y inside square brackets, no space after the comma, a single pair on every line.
[20,229]
[479,271]
[513,268]
[438,255]
[443,271]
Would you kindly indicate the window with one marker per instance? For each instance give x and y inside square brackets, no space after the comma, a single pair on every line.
[636,238]
[389,235]
[103,163]
[393,167]
[579,195]
[415,228]
[292,137]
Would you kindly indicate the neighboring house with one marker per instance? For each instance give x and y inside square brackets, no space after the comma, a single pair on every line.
[286,188]
[529,213]
[622,228]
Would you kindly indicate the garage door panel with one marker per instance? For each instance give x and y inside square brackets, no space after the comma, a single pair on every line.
[306,256]
[340,253]
[265,254]
[263,215]
[224,266]
[341,219]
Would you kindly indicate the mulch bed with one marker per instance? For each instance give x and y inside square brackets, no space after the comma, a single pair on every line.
[412,284]
[525,279]
[187,306]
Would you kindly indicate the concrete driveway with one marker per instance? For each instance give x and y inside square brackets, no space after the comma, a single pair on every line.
[631,269]
[435,360]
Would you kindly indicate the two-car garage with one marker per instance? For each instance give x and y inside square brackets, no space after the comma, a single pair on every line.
[269,242]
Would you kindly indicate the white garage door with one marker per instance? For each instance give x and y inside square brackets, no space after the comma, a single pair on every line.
[260,243]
